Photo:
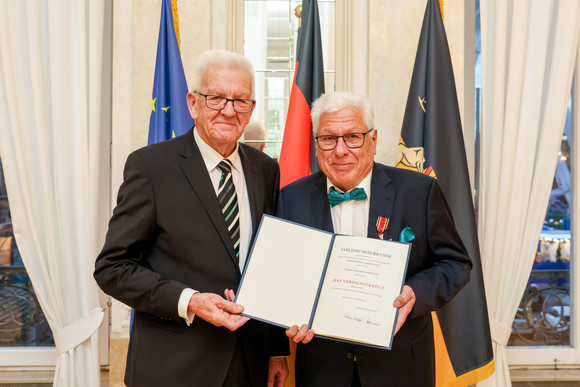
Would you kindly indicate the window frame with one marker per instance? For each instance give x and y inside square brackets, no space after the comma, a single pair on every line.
[561,357]
[349,61]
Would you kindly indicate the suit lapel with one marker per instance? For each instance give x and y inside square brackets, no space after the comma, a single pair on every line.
[382,201]
[252,183]
[320,207]
[195,172]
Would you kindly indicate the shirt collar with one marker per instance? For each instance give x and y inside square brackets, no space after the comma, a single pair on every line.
[364,184]
[212,158]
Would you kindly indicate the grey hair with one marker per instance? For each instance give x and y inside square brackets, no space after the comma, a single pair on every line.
[255,130]
[333,102]
[221,58]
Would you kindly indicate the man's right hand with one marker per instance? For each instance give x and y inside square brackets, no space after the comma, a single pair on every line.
[300,335]
[217,310]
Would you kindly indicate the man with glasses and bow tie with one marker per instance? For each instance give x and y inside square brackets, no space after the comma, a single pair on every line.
[178,240]
[354,195]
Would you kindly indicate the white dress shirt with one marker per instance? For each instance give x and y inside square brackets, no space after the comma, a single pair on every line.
[351,217]
[212,158]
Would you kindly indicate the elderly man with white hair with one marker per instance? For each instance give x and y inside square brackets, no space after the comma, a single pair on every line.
[354,195]
[178,239]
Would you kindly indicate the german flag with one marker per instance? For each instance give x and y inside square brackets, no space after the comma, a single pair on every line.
[297,155]
[432,143]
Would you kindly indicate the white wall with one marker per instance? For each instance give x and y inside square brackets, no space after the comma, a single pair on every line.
[393,32]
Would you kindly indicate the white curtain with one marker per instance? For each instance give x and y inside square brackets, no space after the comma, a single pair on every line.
[528,56]
[51,144]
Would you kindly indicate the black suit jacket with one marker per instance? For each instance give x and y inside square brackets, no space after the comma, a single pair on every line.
[438,268]
[168,233]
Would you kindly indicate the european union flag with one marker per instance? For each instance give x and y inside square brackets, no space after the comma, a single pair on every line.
[169,114]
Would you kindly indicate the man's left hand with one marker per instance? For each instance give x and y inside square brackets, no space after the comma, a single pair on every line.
[277,372]
[405,302]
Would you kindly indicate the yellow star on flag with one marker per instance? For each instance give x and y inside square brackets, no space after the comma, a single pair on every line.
[153,104]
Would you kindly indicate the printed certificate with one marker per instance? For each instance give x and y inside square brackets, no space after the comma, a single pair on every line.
[342,286]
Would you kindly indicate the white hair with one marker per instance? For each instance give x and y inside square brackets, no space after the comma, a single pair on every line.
[255,130]
[333,102]
[221,59]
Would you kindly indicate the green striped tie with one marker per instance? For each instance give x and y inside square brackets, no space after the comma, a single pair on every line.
[229,204]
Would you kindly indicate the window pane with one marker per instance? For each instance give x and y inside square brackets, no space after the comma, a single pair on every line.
[271,29]
[22,323]
[543,316]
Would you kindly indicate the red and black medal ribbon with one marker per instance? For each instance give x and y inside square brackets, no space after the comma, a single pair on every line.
[382,224]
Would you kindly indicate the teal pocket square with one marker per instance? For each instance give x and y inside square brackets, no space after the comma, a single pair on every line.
[406,235]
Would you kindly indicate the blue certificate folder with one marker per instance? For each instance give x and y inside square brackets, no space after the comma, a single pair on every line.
[342,286]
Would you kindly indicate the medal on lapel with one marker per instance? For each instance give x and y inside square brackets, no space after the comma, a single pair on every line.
[382,224]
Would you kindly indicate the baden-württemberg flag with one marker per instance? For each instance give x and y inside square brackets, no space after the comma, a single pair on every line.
[297,155]
[432,143]
[169,114]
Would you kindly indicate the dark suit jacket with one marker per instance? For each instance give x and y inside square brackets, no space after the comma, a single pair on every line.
[168,233]
[438,268]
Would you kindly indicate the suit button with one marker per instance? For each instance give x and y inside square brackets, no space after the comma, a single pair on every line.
[350,355]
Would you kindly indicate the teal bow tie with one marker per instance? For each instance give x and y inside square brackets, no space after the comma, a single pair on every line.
[335,197]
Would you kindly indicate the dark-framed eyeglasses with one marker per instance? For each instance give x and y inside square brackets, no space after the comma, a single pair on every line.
[351,140]
[216,102]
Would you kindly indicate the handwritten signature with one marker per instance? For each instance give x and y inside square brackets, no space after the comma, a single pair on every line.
[360,319]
